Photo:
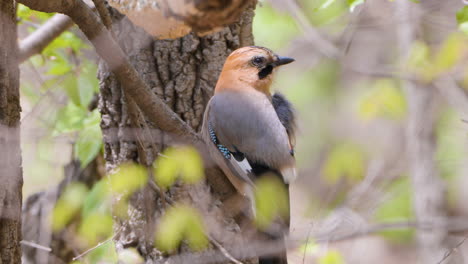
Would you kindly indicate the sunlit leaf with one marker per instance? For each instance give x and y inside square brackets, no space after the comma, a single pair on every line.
[385,100]
[103,254]
[397,207]
[70,119]
[450,53]
[462,19]
[95,227]
[354,3]
[89,141]
[68,205]
[130,256]
[87,83]
[128,178]
[180,223]
[344,161]
[331,257]
[178,161]
[97,200]
[271,200]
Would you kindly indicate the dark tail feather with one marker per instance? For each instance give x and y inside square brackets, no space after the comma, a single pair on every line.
[278,258]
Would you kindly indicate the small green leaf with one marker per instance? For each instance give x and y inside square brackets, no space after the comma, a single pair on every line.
[450,53]
[96,227]
[354,3]
[97,200]
[180,223]
[69,119]
[462,15]
[345,160]
[271,200]
[331,257]
[180,161]
[68,205]
[130,256]
[397,207]
[89,141]
[385,100]
[128,178]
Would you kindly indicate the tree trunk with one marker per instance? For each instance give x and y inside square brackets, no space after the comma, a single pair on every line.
[183,72]
[429,196]
[11,181]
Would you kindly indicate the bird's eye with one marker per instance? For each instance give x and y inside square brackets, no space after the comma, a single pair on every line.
[257,61]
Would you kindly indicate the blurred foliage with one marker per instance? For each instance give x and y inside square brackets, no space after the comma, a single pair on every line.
[428,64]
[271,200]
[130,256]
[180,223]
[183,162]
[383,99]
[267,17]
[397,206]
[331,257]
[68,205]
[346,161]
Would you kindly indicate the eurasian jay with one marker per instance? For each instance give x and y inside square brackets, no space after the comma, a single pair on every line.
[249,131]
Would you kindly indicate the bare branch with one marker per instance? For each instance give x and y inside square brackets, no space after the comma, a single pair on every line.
[450,252]
[43,36]
[35,245]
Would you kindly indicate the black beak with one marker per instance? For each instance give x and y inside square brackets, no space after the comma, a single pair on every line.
[282,61]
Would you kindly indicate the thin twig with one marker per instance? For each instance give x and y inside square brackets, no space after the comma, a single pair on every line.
[224,251]
[35,245]
[448,253]
[97,246]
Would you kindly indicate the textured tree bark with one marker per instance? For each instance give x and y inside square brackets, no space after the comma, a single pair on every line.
[183,72]
[11,181]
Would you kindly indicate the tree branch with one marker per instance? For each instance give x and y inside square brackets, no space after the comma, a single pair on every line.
[43,36]
[152,106]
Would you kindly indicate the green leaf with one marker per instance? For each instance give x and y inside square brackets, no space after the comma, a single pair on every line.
[105,253]
[97,200]
[354,3]
[397,207]
[180,223]
[68,205]
[69,119]
[331,257]
[130,256]
[87,83]
[174,162]
[345,160]
[451,52]
[89,141]
[128,178]
[271,200]
[96,227]
[384,99]
[462,15]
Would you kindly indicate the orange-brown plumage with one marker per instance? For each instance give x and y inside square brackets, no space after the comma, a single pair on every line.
[239,73]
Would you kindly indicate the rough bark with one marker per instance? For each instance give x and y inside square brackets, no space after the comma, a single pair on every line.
[10,159]
[182,72]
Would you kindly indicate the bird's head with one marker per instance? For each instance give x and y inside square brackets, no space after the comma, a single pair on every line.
[250,67]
